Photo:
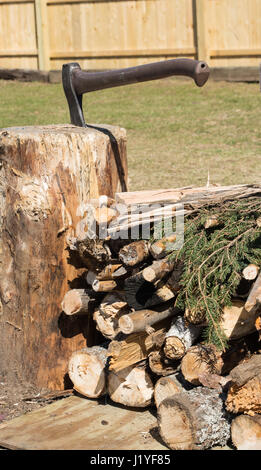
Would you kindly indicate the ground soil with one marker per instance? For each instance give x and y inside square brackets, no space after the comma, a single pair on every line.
[18,397]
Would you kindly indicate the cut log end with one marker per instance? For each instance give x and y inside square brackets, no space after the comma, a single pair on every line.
[166,387]
[86,370]
[131,387]
[76,301]
[126,324]
[175,425]
[250,272]
[174,348]
[193,420]
[246,432]
[199,360]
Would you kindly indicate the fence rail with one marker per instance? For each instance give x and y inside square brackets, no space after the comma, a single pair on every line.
[43,34]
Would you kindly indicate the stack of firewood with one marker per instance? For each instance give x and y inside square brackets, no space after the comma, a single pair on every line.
[153,353]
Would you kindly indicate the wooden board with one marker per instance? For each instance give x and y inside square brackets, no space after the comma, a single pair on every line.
[77,423]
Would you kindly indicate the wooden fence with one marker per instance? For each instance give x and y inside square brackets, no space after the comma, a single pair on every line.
[103,34]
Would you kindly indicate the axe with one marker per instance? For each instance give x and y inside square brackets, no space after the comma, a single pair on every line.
[76,82]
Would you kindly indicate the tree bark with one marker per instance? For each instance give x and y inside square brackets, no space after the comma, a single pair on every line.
[47,176]
[131,386]
[87,371]
[193,420]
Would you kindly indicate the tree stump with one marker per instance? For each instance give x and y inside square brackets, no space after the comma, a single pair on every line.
[47,176]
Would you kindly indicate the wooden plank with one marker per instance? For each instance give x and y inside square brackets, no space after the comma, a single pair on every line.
[5,2]
[202,48]
[235,52]
[42,34]
[17,53]
[123,53]
[76,423]
[64,2]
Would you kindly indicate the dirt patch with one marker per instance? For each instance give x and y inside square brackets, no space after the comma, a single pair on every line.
[18,397]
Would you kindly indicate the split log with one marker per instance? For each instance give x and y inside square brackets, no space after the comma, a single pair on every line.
[108,326]
[166,387]
[103,286]
[107,315]
[245,399]
[131,387]
[86,370]
[110,272]
[253,301]
[250,272]
[47,176]
[160,365]
[141,320]
[162,247]
[244,394]
[134,253]
[237,321]
[180,338]
[189,198]
[199,360]
[157,270]
[246,432]
[193,420]
[136,347]
[190,195]
[76,301]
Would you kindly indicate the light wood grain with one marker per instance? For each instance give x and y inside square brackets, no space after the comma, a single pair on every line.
[76,423]
[115,34]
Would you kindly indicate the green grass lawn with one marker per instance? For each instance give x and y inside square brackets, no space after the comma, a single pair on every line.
[177,133]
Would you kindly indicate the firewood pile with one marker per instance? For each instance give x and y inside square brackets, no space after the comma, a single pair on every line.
[186,344]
